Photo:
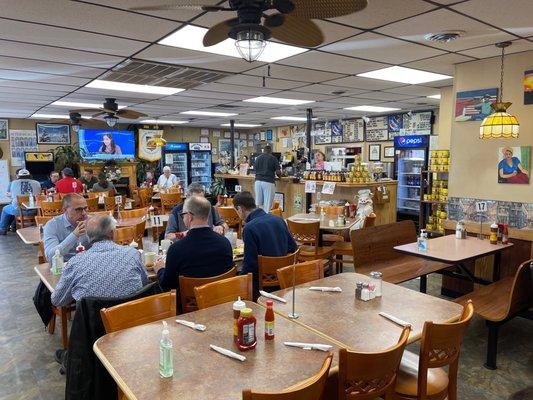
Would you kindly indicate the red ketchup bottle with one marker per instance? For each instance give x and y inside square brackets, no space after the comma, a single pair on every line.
[80,248]
[269,320]
[247,338]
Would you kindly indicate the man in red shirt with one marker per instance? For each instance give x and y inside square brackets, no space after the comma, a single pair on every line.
[68,184]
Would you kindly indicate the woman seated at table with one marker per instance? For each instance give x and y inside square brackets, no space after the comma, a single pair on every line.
[103,185]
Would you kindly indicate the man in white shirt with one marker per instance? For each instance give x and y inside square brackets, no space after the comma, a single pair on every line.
[167,180]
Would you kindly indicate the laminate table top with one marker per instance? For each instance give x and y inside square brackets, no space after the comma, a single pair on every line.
[356,324]
[329,222]
[29,235]
[132,358]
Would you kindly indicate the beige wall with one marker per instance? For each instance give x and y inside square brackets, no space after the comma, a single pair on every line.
[446,112]
[474,161]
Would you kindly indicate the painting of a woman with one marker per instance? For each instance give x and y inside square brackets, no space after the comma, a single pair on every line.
[511,169]
[109,146]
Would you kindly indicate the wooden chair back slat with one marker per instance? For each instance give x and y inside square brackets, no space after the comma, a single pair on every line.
[51,208]
[306,233]
[40,220]
[303,272]
[145,196]
[310,389]
[370,375]
[521,296]
[370,221]
[97,213]
[231,218]
[268,267]
[137,213]
[225,290]
[23,218]
[187,285]
[139,233]
[110,203]
[92,204]
[169,201]
[107,193]
[124,235]
[139,312]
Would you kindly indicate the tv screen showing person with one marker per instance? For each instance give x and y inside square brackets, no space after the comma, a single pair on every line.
[104,144]
[109,146]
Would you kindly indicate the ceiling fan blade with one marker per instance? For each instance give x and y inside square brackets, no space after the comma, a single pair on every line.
[317,9]
[130,114]
[295,30]
[219,32]
[98,114]
[190,5]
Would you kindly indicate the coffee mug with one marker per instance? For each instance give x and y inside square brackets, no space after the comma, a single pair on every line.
[165,244]
[149,258]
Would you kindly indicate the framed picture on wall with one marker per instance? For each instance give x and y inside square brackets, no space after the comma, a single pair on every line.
[388,151]
[53,133]
[374,152]
[4,129]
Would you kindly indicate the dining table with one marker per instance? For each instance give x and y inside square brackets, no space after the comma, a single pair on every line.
[327,223]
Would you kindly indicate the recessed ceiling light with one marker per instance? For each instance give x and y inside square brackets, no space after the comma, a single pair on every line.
[372,109]
[287,118]
[191,37]
[163,122]
[132,87]
[243,125]
[404,75]
[54,116]
[209,113]
[434,96]
[79,104]
[278,100]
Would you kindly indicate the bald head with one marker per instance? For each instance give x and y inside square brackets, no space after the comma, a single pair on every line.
[101,227]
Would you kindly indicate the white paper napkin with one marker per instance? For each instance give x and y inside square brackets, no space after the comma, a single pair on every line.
[394,319]
[309,346]
[227,352]
[198,327]
[326,288]
[272,296]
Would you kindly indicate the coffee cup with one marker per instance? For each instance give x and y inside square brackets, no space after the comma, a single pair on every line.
[165,244]
[149,258]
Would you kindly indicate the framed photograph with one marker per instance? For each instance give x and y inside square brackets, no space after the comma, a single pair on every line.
[514,165]
[474,105]
[4,129]
[53,133]
[374,152]
[388,152]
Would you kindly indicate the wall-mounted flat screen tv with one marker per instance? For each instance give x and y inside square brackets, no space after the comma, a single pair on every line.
[104,144]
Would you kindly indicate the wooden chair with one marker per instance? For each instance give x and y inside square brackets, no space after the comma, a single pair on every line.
[139,233]
[307,234]
[98,194]
[139,312]
[422,377]
[303,272]
[224,291]
[124,235]
[40,197]
[23,219]
[187,285]
[110,203]
[277,212]
[231,218]
[51,208]
[41,258]
[40,220]
[365,376]
[310,389]
[268,267]
[95,213]
[92,204]
[169,201]
[501,301]
[145,196]
[137,213]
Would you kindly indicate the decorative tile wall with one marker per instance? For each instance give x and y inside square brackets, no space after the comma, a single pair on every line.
[516,215]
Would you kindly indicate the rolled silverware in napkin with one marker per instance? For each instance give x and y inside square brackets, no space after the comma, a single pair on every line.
[309,346]
[272,296]
[326,288]
[198,327]
[227,352]
[394,319]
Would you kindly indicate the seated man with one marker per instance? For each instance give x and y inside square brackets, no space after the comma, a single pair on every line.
[263,235]
[88,178]
[50,184]
[68,184]
[107,269]
[202,253]
[175,221]
[65,231]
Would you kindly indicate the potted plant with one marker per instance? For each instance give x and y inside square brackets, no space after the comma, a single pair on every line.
[67,156]
[217,188]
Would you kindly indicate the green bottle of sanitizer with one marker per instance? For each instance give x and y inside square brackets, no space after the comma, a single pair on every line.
[166,367]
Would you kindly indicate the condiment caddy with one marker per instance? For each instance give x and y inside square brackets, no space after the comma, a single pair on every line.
[366,291]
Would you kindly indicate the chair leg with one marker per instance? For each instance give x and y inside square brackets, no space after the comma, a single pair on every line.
[492,345]
[52,325]
[338,263]
[423,283]
[64,326]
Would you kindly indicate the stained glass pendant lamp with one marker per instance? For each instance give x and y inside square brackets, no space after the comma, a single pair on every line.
[500,124]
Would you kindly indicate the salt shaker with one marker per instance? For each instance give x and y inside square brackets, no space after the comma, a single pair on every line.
[376,278]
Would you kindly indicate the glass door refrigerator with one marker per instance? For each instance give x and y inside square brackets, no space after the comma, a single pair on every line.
[176,156]
[200,155]
[410,159]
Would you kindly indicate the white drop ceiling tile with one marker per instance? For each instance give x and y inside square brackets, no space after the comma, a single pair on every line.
[364,83]
[21,92]
[381,48]
[257,82]
[294,73]
[333,32]
[331,62]
[182,14]
[415,90]
[439,84]
[45,78]
[236,89]
[492,51]
[16,107]
[512,15]
[88,17]
[381,12]
[441,64]
[353,101]
[385,96]
[187,100]
[103,93]
[328,89]
[50,88]
[94,98]
[21,64]
[213,95]
[192,58]
[476,33]
[407,105]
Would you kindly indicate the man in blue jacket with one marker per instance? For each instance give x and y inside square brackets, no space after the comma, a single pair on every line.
[263,235]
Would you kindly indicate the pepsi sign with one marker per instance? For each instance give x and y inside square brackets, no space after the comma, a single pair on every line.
[176,146]
[411,141]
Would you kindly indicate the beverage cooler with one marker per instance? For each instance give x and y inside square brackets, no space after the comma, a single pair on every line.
[176,156]
[200,155]
[410,159]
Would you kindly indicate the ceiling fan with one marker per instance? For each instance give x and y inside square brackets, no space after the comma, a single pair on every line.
[111,111]
[288,21]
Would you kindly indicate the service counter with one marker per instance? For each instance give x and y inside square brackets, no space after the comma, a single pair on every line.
[294,198]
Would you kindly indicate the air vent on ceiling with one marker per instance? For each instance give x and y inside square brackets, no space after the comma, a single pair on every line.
[444,37]
[157,74]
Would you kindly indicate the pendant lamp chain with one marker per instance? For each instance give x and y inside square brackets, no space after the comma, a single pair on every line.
[501,75]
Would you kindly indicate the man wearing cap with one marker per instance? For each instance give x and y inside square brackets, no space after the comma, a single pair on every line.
[68,184]
[167,180]
[24,185]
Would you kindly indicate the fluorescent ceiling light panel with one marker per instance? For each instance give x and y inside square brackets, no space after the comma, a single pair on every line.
[54,116]
[191,37]
[132,87]
[76,104]
[286,118]
[243,125]
[404,75]
[209,113]
[278,100]
[163,122]
[372,109]
[434,96]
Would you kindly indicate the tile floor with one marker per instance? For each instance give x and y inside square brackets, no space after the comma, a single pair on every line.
[28,370]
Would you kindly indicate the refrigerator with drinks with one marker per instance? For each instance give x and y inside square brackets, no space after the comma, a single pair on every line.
[176,156]
[410,159]
[200,156]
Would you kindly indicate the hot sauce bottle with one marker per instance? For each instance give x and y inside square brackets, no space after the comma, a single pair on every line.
[247,335]
[269,320]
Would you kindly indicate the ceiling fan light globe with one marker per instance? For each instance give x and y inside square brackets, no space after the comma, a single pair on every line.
[111,121]
[250,44]
[76,127]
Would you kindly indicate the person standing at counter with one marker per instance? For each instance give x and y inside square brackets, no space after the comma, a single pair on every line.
[266,168]
[320,159]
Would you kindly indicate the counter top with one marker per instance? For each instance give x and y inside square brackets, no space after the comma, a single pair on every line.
[302,182]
